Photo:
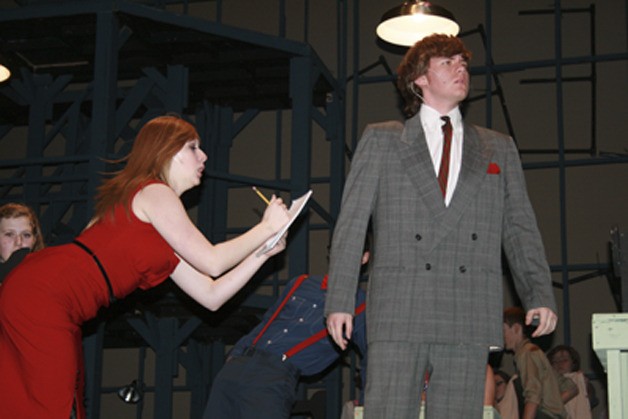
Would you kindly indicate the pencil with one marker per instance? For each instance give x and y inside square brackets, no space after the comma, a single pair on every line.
[261,195]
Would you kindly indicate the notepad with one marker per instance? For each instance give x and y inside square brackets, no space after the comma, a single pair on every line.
[295,209]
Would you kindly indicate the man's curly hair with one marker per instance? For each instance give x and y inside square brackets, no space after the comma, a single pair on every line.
[416,62]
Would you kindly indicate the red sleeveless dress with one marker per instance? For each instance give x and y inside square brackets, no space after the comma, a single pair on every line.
[46,298]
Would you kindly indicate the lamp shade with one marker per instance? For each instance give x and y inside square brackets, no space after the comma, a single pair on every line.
[131,393]
[413,20]
[5,73]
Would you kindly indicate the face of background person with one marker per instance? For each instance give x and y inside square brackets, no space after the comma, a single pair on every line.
[500,387]
[510,336]
[15,233]
[562,362]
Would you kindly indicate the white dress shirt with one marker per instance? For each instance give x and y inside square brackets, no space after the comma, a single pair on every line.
[432,126]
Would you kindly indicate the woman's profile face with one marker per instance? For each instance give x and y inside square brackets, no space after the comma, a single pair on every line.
[15,233]
[186,167]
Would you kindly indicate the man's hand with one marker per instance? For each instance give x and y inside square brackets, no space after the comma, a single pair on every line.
[547,320]
[340,327]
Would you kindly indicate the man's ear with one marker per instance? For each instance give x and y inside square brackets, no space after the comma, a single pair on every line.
[421,81]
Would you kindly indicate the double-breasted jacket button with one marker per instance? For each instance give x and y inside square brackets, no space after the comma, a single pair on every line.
[418,237]
[462,269]
[474,236]
[428,266]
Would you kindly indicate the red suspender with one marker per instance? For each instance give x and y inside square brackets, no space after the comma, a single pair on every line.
[359,309]
[316,337]
[283,303]
[309,341]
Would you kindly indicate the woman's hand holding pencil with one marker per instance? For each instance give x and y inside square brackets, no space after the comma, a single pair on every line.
[276,213]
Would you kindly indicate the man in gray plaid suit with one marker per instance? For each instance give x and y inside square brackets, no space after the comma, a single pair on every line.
[435,286]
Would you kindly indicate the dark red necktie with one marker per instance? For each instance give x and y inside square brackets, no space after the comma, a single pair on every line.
[443,171]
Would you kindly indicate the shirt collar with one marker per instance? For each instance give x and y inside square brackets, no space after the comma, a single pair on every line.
[431,117]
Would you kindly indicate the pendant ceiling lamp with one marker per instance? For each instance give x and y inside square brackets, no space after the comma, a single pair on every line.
[131,393]
[5,73]
[413,20]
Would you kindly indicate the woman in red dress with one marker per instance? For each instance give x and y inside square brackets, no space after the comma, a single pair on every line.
[140,235]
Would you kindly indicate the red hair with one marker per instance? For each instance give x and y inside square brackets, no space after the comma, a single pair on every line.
[156,143]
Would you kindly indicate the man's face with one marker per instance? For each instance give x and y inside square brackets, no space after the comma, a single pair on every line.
[510,336]
[446,82]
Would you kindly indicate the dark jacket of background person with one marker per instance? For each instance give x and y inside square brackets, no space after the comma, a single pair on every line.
[263,368]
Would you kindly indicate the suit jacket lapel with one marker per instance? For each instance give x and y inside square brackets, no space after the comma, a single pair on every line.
[475,160]
[415,159]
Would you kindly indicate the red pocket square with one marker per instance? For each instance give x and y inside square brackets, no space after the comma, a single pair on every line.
[493,169]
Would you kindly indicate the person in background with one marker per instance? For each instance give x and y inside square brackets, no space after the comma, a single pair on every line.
[501,379]
[263,368]
[506,400]
[566,361]
[140,235]
[543,390]
[445,197]
[20,234]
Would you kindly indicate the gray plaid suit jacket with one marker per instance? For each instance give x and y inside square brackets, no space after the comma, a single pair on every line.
[436,272]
